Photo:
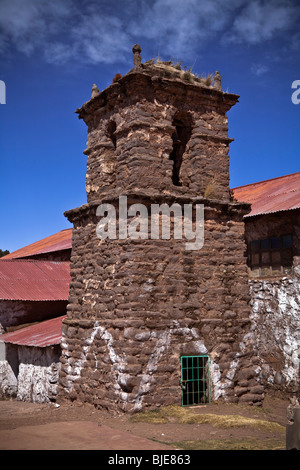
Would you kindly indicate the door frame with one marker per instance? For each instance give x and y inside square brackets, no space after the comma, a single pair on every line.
[195,380]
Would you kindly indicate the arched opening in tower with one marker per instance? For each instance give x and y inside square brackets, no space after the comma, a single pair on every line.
[181,135]
[110,131]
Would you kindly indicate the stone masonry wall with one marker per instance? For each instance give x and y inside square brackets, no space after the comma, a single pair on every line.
[38,374]
[276,325]
[275,308]
[136,155]
[137,306]
[29,373]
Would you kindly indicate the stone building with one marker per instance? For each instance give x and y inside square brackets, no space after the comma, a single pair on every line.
[150,322]
[30,362]
[56,247]
[272,233]
[34,290]
[34,281]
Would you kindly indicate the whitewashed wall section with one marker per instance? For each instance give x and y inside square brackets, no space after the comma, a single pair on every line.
[275,329]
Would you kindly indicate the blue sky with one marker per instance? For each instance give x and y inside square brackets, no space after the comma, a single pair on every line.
[51,53]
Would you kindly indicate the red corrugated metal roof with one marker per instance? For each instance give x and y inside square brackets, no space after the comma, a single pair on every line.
[34,280]
[277,194]
[57,242]
[43,334]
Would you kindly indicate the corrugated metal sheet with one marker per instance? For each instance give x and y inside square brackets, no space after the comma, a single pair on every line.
[57,242]
[43,334]
[34,280]
[277,194]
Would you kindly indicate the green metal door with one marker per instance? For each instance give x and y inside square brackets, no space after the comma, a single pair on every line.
[195,380]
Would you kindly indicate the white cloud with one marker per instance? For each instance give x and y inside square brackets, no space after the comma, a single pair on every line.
[295,42]
[261,20]
[28,25]
[184,26]
[101,38]
[259,69]
[59,53]
[104,31]
[60,31]
[180,27]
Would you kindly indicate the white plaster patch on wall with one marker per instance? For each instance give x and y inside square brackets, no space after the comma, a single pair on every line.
[38,374]
[276,326]
[73,367]
[89,297]
[118,362]
[148,285]
[29,373]
[161,345]
[190,334]
[32,383]
[8,380]
[219,384]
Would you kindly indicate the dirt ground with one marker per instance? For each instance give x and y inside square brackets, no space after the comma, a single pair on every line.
[264,431]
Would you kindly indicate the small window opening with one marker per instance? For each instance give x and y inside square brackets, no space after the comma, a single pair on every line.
[195,380]
[271,256]
[180,137]
[110,132]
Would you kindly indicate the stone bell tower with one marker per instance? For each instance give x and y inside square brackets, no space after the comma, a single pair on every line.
[149,322]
